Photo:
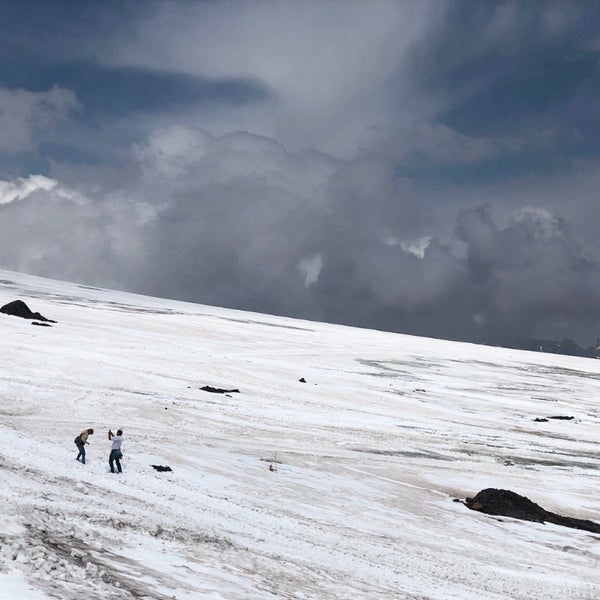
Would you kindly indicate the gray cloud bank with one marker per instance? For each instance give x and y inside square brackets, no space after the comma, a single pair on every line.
[238,221]
[430,199]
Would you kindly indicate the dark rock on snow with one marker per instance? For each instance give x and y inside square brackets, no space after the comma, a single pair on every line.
[18,308]
[302,380]
[559,417]
[161,467]
[510,504]
[41,324]
[214,390]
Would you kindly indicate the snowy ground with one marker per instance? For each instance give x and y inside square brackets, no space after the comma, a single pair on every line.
[369,454]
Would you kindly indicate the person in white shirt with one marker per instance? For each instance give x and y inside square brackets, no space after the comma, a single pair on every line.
[115,451]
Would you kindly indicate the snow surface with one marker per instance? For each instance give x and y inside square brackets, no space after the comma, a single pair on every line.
[368,455]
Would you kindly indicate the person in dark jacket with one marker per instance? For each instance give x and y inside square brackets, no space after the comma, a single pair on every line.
[115,450]
[81,441]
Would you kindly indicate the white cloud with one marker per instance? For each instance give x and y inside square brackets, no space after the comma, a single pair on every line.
[25,114]
[187,158]
[540,222]
[48,227]
[416,247]
[311,268]
[171,150]
[23,187]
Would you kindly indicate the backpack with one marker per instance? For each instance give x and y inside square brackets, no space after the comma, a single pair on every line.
[77,440]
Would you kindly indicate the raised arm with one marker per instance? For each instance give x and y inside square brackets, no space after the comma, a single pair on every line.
[110,434]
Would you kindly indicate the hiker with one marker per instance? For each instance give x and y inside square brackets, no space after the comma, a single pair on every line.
[115,450]
[81,441]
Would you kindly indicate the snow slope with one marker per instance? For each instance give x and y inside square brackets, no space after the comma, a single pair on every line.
[368,455]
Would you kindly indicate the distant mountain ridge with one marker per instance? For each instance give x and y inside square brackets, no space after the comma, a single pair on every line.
[566,346]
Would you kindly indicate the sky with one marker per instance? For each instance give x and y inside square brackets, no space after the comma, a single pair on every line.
[423,167]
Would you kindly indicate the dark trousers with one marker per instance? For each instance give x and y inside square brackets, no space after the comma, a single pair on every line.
[81,448]
[115,457]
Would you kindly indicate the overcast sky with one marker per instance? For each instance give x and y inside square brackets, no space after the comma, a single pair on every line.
[424,167]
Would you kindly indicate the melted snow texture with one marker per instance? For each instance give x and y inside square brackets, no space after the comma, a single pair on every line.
[367,455]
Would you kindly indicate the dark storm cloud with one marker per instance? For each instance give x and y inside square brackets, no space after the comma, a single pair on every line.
[514,66]
[117,90]
[39,35]
[57,44]
[531,276]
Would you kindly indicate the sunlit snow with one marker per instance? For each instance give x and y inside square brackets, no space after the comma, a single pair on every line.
[338,488]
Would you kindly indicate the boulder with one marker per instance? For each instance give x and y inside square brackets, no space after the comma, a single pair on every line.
[510,504]
[18,308]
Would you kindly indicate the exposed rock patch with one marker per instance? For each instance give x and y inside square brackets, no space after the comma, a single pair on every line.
[215,390]
[559,417]
[510,504]
[161,468]
[18,308]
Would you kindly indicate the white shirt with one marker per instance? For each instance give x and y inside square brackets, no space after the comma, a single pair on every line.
[117,440]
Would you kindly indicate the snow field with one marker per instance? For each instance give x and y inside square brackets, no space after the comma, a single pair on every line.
[369,454]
